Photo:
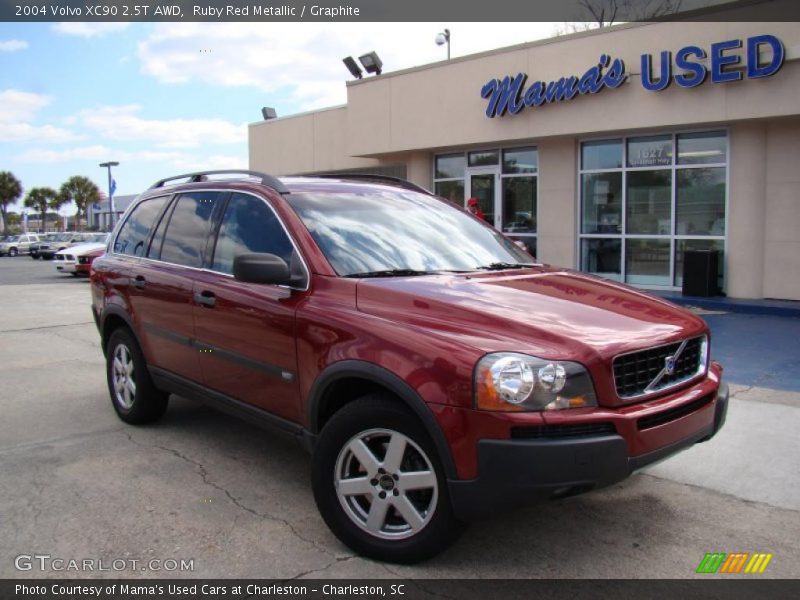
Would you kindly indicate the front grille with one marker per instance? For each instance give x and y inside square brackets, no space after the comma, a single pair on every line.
[636,372]
[562,431]
[674,413]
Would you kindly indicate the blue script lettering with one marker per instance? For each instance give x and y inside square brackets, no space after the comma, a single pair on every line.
[509,95]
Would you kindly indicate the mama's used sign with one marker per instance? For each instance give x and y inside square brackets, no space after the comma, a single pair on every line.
[687,69]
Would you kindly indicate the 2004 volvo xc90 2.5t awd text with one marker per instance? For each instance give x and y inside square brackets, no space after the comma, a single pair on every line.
[437,373]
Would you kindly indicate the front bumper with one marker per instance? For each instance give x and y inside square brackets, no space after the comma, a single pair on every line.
[516,472]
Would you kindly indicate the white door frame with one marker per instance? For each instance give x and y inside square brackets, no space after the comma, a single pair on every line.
[490,170]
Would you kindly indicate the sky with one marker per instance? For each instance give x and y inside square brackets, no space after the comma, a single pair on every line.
[164,99]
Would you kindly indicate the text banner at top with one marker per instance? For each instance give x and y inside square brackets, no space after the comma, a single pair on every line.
[445,11]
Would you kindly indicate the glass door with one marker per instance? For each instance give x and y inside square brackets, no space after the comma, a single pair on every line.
[482,186]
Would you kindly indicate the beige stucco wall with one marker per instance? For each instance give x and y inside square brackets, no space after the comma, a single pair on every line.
[440,106]
[782,211]
[409,116]
[306,143]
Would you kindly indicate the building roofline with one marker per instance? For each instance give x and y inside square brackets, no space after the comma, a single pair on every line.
[305,113]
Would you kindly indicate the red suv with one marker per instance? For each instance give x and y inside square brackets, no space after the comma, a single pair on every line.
[437,372]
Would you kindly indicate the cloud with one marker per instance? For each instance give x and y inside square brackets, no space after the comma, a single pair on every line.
[12,45]
[20,106]
[17,109]
[123,123]
[89,30]
[304,60]
[179,161]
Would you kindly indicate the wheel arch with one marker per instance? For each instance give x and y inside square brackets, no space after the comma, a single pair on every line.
[113,318]
[363,377]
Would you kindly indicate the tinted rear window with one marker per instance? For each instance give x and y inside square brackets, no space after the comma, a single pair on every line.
[132,237]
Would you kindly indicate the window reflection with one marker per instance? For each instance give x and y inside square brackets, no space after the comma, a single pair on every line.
[379,231]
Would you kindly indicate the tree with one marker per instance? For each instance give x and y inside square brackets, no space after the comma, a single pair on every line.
[82,191]
[57,202]
[607,12]
[10,192]
[39,199]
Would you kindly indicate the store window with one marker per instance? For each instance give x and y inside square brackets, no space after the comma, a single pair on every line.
[645,200]
[503,180]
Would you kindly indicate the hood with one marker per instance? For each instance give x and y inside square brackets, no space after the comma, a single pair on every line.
[547,312]
[81,249]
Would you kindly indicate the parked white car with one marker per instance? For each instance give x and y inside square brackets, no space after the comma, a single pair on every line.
[18,244]
[68,259]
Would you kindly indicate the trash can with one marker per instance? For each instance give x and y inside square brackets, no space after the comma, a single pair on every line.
[700,268]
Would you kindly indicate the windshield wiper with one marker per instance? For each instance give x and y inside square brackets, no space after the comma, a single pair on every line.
[391,273]
[500,266]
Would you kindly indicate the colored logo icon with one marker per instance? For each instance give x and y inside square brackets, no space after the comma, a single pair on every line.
[738,562]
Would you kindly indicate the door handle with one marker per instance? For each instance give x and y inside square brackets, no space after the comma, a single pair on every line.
[138,282]
[205,298]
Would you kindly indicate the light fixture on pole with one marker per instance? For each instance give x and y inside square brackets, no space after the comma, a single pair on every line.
[111,187]
[353,67]
[442,39]
[371,63]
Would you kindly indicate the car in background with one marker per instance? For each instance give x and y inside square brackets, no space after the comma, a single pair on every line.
[45,240]
[78,259]
[67,240]
[18,244]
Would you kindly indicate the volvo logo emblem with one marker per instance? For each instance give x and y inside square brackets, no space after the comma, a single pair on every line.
[669,365]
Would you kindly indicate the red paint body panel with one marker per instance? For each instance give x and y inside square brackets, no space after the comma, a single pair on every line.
[428,331]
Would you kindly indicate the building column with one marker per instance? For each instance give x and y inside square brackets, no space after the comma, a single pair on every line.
[747,176]
[419,169]
[557,202]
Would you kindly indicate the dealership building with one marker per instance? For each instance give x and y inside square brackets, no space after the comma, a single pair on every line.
[613,151]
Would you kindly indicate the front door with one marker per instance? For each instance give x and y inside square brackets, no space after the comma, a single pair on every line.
[482,185]
[246,331]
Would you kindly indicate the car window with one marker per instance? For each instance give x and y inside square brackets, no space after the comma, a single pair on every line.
[249,225]
[133,234]
[187,231]
[400,230]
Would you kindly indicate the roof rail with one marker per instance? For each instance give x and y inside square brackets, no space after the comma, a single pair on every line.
[267,180]
[399,182]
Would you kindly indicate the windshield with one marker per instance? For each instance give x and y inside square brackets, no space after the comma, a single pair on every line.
[400,231]
[13,238]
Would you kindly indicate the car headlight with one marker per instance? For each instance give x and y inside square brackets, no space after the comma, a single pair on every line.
[507,381]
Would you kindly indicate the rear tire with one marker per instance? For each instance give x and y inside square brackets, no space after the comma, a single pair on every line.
[134,396]
[379,485]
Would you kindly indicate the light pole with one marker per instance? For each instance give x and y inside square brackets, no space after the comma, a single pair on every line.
[108,165]
[444,38]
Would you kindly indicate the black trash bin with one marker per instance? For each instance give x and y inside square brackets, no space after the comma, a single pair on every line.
[700,268]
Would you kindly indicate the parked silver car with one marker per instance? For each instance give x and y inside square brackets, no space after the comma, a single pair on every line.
[18,244]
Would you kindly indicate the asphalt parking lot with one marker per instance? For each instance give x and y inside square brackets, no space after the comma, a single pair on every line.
[199,485]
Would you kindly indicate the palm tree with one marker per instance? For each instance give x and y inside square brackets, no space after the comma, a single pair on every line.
[82,191]
[10,191]
[59,201]
[39,199]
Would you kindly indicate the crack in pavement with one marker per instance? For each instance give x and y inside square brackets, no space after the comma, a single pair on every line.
[720,493]
[205,477]
[45,327]
[335,561]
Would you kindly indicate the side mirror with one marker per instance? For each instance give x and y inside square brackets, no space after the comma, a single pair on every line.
[261,268]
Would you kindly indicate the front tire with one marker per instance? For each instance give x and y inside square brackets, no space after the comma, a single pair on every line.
[13,252]
[134,396]
[379,485]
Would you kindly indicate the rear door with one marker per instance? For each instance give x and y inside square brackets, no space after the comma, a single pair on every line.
[162,284]
[246,331]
